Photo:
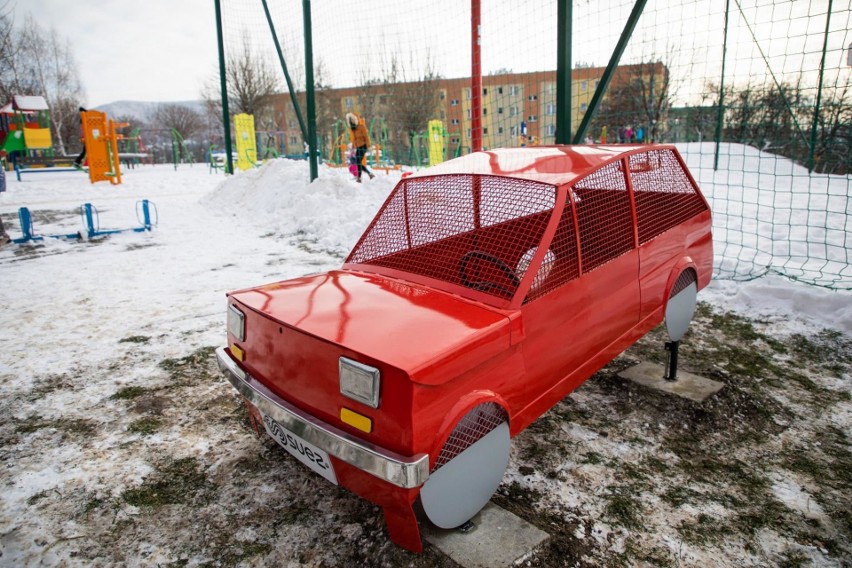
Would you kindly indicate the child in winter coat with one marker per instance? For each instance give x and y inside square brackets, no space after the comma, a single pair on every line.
[361,141]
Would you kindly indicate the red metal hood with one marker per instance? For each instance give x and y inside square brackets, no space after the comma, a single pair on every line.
[431,335]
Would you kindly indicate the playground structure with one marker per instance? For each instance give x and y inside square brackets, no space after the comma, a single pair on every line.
[26,139]
[246,141]
[91,221]
[376,158]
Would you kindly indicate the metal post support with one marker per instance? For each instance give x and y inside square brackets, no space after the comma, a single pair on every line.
[476,76]
[309,91]
[819,91]
[671,363]
[90,222]
[720,113]
[293,98]
[563,72]
[146,215]
[610,70]
[223,80]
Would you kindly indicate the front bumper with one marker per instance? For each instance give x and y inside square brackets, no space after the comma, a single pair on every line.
[402,471]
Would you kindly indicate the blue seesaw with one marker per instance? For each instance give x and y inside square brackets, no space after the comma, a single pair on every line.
[91,218]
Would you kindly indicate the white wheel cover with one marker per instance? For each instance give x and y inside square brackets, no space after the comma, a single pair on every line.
[679,311]
[462,487]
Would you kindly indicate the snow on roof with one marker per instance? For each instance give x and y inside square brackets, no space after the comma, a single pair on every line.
[556,165]
[28,102]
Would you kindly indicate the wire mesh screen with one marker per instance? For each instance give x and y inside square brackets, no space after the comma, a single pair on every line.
[481,420]
[755,93]
[603,215]
[472,230]
[664,195]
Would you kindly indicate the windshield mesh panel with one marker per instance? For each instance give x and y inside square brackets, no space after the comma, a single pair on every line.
[463,229]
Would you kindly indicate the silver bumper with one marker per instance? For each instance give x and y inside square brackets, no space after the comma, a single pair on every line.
[402,471]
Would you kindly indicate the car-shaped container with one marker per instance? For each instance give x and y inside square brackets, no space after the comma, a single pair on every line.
[484,291]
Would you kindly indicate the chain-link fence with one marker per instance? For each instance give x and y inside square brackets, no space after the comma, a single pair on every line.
[755,93]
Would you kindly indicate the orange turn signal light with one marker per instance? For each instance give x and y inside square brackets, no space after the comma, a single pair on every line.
[356,420]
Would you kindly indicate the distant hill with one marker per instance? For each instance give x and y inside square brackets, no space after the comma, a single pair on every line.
[142,110]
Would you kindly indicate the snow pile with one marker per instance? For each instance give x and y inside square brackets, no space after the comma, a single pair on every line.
[331,213]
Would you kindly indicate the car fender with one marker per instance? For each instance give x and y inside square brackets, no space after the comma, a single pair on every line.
[458,411]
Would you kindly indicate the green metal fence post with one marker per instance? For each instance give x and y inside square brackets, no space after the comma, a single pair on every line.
[720,113]
[309,91]
[819,92]
[223,80]
[610,70]
[563,72]
[293,98]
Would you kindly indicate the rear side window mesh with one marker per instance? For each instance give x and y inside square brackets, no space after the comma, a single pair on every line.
[603,215]
[664,195]
[471,230]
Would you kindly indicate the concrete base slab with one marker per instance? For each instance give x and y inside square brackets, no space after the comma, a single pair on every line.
[687,385]
[497,539]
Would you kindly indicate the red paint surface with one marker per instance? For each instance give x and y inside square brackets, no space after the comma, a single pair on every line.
[443,348]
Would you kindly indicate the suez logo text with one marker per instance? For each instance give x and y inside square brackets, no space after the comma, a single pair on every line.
[285,436]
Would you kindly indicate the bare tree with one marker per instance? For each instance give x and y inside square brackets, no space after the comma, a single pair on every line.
[42,63]
[412,100]
[186,120]
[251,80]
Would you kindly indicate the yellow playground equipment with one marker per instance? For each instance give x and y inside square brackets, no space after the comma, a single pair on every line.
[246,143]
[436,142]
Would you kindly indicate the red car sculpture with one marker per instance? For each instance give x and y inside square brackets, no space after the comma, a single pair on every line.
[484,291]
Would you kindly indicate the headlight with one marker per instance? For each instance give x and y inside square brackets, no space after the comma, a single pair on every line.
[236,323]
[359,382]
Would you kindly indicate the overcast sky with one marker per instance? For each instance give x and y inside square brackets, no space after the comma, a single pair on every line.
[164,50]
[142,50]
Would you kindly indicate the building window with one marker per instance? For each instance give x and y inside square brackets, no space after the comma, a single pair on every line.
[442,115]
[532,98]
[442,95]
[550,130]
[292,140]
[532,118]
[454,140]
[292,123]
[499,110]
[584,86]
[513,111]
[499,90]
[550,109]
[513,131]
[499,130]
[551,88]
[454,102]
[484,111]
[514,90]
[583,107]
[467,93]
[468,132]
[485,131]
[348,103]
[454,121]
[597,82]
[468,113]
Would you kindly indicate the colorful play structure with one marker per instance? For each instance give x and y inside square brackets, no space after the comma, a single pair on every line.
[25,137]
[91,221]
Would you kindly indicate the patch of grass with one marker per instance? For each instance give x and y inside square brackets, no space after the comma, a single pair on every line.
[703,530]
[135,339]
[623,508]
[196,365]
[145,426]
[178,481]
[65,425]
[35,498]
[129,393]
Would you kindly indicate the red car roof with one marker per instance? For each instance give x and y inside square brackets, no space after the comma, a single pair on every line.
[556,165]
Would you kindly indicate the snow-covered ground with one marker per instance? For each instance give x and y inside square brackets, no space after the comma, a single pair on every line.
[83,321]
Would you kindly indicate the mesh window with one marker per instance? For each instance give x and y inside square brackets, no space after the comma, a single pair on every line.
[429,228]
[560,264]
[664,195]
[481,420]
[603,213]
